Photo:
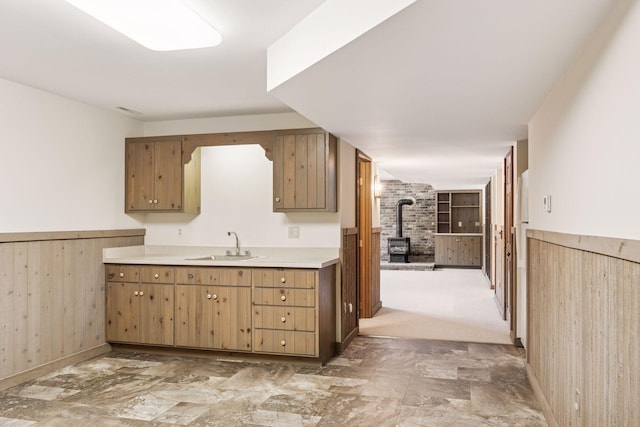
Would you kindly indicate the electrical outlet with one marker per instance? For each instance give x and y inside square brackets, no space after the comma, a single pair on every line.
[179,232]
[546,203]
[294,232]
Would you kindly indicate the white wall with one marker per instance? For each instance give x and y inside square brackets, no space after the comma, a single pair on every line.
[62,163]
[584,142]
[237,191]
[347,184]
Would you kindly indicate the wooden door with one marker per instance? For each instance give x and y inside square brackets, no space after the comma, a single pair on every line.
[369,295]
[194,318]
[123,312]
[156,314]
[140,176]
[232,318]
[168,175]
[509,243]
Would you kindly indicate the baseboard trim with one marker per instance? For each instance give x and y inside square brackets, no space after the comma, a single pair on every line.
[537,390]
[54,365]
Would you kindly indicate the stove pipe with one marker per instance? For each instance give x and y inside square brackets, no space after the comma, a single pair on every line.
[410,201]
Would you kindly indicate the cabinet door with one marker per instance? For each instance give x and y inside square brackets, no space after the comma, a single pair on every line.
[140,176]
[194,316]
[168,175]
[447,250]
[123,312]
[154,176]
[217,317]
[470,251]
[304,173]
[232,318]
[156,314]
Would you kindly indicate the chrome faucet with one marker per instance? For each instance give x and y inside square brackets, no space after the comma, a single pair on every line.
[229,233]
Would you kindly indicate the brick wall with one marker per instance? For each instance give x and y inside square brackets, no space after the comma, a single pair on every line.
[417,220]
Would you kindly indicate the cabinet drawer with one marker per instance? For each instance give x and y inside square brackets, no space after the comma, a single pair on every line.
[285,278]
[285,342]
[285,318]
[284,297]
[123,273]
[213,276]
[156,274]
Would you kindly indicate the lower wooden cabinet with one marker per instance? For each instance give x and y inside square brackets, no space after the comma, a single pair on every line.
[278,311]
[140,313]
[461,251]
[285,311]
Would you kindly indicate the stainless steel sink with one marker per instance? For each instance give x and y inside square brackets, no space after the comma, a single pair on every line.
[224,258]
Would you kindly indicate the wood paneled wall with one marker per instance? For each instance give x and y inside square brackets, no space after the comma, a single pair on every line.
[583,353]
[52,297]
[349,288]
[376,302]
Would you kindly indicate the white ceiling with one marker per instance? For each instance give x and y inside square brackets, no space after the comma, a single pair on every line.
[436,93]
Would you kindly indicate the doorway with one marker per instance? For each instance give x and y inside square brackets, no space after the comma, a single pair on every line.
[368,247]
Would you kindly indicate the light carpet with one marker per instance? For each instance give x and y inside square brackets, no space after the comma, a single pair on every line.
[444,304]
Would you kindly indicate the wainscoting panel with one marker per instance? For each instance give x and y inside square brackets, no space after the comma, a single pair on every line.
[52,297]
[349,287]
[583,300]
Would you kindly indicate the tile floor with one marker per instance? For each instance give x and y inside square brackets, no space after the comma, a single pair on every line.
[376,382]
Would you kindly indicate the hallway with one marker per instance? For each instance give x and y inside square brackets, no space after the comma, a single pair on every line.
[376,382]
[444,304]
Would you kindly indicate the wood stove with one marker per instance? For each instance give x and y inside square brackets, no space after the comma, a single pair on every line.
[399,247]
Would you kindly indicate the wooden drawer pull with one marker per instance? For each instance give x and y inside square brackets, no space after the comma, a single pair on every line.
[141,293]
[283,319]
[283,279]
[121,275]
[283,343]
[283,298]
[135,293]
[156,276]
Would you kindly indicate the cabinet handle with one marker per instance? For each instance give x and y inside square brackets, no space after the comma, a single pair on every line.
[156,276]
[208,296]
[283,343]
[283,298]
[141,293]
[350,308]
[155,202]
[121,275]
[150,202]
[283,279]
[283,319]
[214,296]
[135,293]
[277,199]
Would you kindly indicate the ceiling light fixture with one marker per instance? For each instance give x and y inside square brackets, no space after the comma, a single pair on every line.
[155,24]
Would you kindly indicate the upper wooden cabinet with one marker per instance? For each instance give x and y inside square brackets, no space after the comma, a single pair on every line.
[304,172]
[157,178]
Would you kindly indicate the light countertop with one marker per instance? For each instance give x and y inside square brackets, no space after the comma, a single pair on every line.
[183,255]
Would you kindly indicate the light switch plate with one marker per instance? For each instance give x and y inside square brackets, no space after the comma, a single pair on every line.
[546,203]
